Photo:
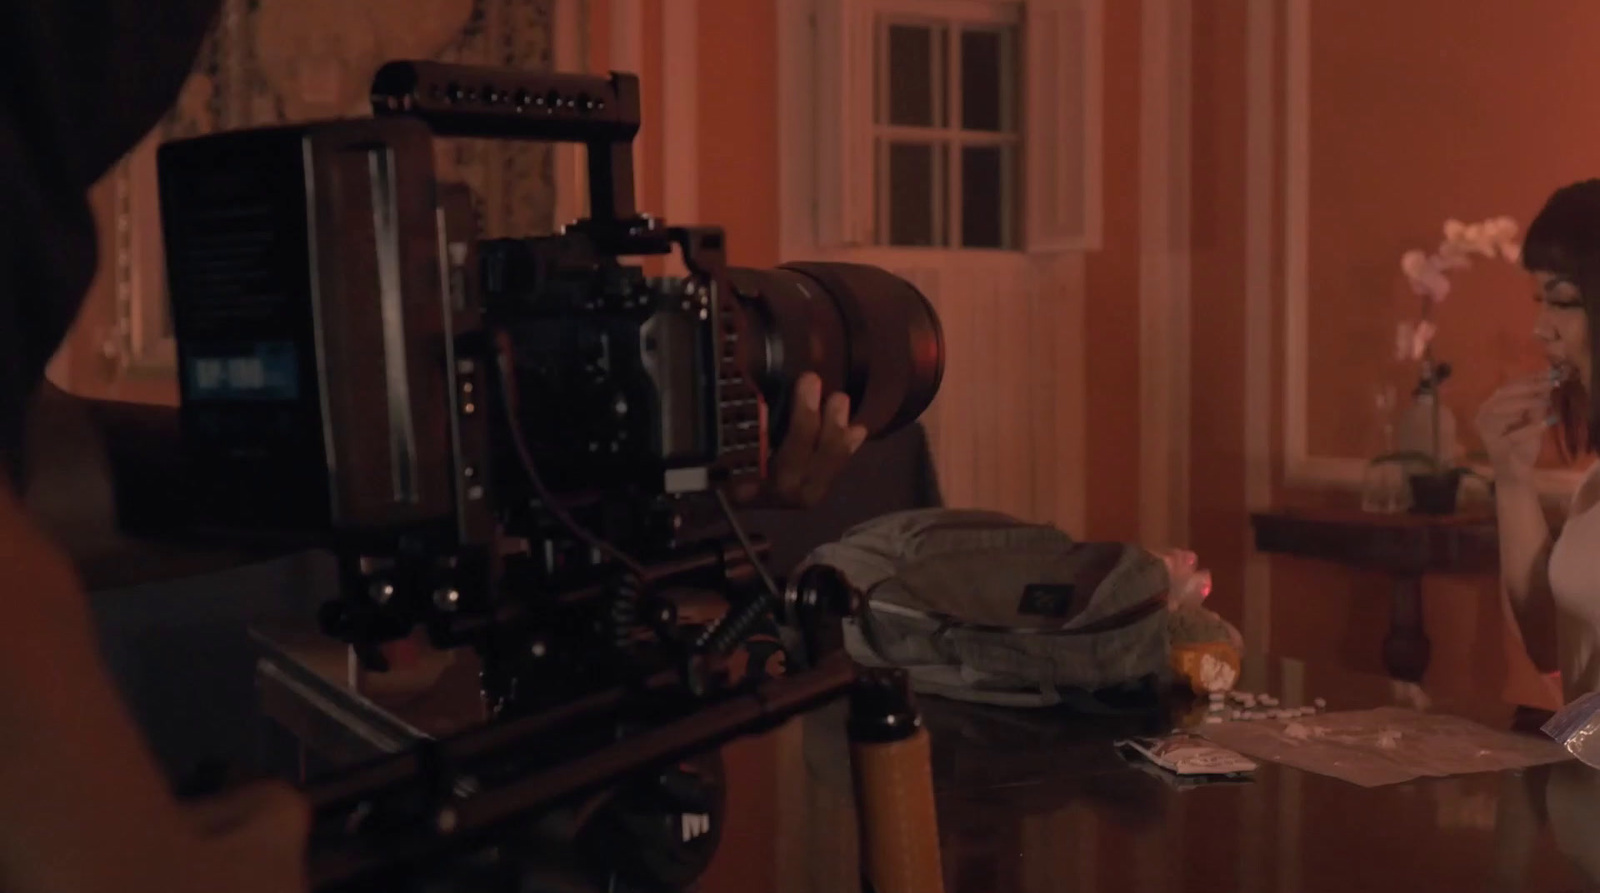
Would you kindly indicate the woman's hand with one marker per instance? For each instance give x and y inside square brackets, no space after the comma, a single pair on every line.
[818,443]
[1512,423]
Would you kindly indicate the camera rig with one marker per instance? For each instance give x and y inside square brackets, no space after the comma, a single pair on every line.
[506,443]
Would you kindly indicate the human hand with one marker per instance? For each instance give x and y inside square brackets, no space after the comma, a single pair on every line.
[1512,423]
[252,839]
[818,443]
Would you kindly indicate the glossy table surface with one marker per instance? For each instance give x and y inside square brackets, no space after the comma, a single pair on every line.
[1041,800]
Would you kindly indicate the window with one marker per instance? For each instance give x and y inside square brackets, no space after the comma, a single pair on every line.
[942,124]
[947,131]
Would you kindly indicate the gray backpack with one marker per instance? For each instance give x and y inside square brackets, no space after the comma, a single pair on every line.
[982,607]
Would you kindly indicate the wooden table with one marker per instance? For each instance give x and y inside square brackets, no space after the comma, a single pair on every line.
[1406,547]
[1037,800]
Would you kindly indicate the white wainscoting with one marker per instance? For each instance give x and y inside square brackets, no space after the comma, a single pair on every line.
[1007,430]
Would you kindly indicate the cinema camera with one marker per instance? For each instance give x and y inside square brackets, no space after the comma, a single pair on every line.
[504,442]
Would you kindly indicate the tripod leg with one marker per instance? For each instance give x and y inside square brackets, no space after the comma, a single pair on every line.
[890,754]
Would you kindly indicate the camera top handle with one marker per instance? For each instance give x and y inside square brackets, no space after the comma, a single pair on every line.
[506,103]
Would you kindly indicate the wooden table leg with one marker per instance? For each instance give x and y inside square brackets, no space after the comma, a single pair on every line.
[1406,647]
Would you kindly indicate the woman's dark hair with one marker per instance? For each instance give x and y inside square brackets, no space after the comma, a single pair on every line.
[1565,240]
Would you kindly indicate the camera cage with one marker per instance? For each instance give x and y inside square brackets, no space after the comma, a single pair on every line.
[603,115]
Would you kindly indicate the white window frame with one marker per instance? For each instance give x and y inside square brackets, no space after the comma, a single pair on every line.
[951,136]
[827,78]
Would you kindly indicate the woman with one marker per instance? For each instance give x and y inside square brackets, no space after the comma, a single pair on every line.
[1554,585]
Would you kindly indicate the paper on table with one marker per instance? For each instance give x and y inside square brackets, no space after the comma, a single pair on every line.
[1388,745]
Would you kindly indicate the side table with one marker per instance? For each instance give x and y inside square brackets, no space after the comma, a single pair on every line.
[1406,547]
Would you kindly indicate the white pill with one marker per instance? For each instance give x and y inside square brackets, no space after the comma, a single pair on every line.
[1213,718]
[1216,708]
[1269,700]
[1216,697]
[1320,703]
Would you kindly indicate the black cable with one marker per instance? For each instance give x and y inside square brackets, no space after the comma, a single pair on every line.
[734,627]
[504,364]
[722,636]
[745,544]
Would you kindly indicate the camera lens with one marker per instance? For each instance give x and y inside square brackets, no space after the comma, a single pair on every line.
[864,330]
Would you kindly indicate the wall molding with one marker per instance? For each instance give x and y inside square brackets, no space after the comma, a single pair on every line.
[1064,127]
[1164,271]
[1303,468]
[1261,56]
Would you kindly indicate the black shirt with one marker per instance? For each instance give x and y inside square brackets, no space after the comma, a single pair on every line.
[81,82]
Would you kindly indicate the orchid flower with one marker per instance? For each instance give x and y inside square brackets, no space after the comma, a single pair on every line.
[1425,275]
[1451,257]
[1494,237]
[1413,263]
[1491,238]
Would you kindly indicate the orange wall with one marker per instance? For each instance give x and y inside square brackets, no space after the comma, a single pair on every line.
[1446,110]
[1217,381]
[1111,308]
[738,136]
[1492,117]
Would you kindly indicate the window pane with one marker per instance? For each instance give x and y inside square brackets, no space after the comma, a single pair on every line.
[986,81]
[986,206]
[915,73]
[915,192]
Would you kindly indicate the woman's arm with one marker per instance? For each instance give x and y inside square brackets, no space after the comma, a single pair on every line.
[104,479]
[1525,544]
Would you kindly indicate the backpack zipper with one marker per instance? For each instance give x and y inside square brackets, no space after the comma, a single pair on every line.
[1124,618]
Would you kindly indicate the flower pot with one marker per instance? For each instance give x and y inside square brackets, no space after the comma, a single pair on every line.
[1435,494]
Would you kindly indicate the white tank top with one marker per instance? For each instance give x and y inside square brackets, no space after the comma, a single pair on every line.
[1575,586]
